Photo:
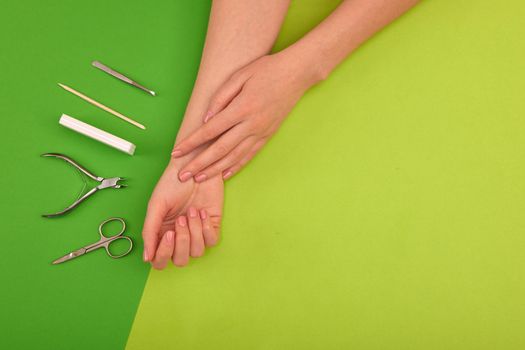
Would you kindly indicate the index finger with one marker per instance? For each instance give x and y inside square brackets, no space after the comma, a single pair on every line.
[206,132]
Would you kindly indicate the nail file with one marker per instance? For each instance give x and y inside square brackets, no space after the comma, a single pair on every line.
[97,134]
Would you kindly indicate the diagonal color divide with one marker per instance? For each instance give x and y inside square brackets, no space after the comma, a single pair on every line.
[386,213]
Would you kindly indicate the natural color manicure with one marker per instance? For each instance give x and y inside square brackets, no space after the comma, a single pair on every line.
[227,174]
[169,237]
[185,176]
[200,177]
[176,153]
[208,116]
[193,212]
[203,213]
[182,221]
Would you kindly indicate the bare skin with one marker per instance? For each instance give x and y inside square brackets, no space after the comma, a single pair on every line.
[241,97]
[249,108]
[172,230]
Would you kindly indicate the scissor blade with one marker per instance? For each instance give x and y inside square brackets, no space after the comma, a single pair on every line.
[70,256]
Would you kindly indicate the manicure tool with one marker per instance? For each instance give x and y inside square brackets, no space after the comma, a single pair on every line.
[104,241]
[104,183]
[100,105]
[97,134]
[120,76]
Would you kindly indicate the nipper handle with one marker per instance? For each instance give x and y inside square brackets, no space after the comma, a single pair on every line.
[73,163]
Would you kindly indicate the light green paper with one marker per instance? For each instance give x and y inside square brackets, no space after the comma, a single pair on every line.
[387,213]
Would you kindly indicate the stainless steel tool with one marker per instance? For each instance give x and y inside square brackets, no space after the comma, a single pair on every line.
[104,242]
[121,76]
[112,182]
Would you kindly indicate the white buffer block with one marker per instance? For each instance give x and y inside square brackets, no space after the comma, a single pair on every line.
[97,134]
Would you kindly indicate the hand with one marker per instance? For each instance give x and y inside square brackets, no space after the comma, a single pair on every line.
[244,113]
[182,219]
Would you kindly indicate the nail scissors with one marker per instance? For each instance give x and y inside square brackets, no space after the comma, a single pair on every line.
[103,242]
[103,183]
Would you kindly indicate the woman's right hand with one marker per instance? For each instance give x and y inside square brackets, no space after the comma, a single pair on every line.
[244,114]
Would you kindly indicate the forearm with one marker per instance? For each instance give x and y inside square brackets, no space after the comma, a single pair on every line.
[249,108]
[238,33]
[351,24]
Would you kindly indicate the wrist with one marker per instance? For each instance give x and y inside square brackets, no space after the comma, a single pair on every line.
[308,62]
[181,162]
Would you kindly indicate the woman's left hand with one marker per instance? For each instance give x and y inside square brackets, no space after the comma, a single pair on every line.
[183,219]
[244,113]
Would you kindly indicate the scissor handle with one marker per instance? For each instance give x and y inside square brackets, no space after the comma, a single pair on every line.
[102,235]
[115,238]
[110,239]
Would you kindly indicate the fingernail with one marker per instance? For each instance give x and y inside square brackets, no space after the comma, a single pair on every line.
[200,177]
[203,214]
[227,174]
[208,116]
[185,176]
[169,237]
[146,258]
[193,212]
[176,153]
[182,221]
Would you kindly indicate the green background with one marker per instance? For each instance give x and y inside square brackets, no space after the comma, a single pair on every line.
[387,213]
[90,302]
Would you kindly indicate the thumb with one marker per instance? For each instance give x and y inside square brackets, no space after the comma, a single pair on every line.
[226,93]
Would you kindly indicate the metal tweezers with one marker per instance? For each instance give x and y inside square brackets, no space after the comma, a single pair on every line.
[104,183]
